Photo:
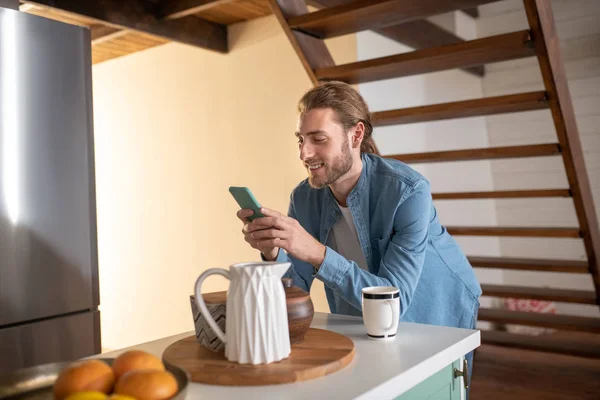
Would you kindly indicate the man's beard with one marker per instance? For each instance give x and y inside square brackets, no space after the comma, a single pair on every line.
[336,169]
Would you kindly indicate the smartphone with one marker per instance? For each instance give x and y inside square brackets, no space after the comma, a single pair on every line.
[246,199]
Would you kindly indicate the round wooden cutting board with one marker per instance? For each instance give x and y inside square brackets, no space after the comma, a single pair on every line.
[322,352]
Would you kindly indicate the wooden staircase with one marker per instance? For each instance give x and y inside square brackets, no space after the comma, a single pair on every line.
[306,32]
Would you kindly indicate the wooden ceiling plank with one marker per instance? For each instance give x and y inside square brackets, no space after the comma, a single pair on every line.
[140,40]
[103,33]
[183,8]
[126,47]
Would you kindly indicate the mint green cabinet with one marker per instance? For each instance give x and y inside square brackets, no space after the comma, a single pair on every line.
[440,386]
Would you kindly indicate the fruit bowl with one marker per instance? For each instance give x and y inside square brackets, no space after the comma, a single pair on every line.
[35,383]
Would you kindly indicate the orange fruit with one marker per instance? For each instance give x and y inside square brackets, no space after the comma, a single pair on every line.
[147,385]
[84,376]
[136,359]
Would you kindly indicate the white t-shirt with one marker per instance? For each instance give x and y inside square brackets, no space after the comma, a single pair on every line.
[343,238]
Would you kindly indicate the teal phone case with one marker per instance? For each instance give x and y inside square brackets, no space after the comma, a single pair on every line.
[246,199]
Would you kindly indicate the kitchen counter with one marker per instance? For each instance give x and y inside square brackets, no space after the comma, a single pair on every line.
[380,369]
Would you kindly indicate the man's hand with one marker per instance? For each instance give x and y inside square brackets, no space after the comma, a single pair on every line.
[270,253]
[276,230]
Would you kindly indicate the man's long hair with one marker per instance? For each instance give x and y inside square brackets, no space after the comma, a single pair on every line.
[349,106]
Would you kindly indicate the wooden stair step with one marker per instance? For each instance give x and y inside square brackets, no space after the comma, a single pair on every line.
[550,343]
[423,34]
[530,264]
[556,321]
[502,194]
[372,14]
[487,153]
[554,232]
[463,109]
[536,293]
[457,55]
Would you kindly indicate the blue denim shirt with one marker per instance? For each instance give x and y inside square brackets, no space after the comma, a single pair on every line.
[403,242]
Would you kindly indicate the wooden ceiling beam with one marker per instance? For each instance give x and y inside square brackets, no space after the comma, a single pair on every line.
[170,10]
[135,15]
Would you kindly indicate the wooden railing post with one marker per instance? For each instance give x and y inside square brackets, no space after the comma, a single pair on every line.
[313,52]
[543,31]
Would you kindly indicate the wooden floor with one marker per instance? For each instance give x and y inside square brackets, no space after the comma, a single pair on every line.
[508,373]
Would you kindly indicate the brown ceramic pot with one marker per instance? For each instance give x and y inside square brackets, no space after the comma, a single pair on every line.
[300,310]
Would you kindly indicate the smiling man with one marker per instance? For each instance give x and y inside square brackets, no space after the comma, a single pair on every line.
[360,220]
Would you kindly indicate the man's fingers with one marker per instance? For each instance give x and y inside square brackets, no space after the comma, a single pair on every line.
[244,213]
[247,228]
[253,243]
[268,234]
[255,227]
[268,222]
[267,212]
[271,243]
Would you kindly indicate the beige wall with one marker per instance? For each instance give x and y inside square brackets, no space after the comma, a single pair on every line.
[175,126]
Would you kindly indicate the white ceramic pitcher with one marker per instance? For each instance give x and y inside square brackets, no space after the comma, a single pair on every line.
[256,323]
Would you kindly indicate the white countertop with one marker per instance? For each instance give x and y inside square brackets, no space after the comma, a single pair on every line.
[380,369]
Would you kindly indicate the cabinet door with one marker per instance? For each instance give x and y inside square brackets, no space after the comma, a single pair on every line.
[56,339]
[440,386]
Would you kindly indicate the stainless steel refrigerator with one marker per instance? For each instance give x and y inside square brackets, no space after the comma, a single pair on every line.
[49,292]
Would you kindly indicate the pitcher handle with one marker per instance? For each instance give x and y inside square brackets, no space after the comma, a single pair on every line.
[200,301]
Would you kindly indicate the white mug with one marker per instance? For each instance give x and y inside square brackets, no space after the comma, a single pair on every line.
[381,311]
